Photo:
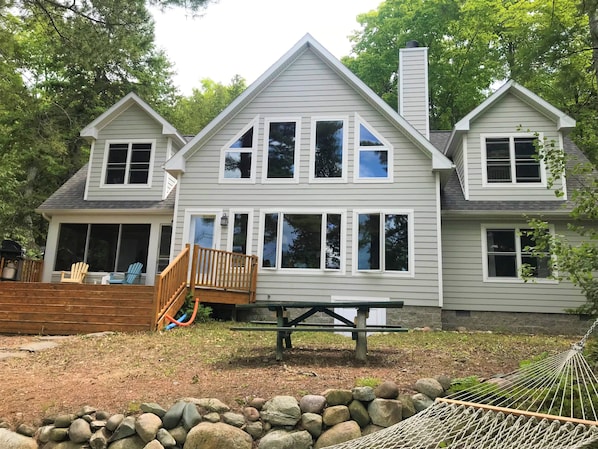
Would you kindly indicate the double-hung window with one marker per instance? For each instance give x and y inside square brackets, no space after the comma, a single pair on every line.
[302,241]
[512,160]
[328,161]
[281,161]
[507,250]
[238,157]
[384,242]
[373,155]
[128,163]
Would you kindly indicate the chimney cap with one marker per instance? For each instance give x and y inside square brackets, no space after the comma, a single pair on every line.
[412,44]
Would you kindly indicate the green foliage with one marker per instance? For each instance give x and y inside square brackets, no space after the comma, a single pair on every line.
[463,384]
[203,315]
[367,382]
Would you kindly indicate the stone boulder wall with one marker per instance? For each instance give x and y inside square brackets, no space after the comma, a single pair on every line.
[282,422]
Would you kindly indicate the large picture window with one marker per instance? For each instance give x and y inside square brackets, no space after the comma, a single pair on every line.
[509,249]
[328,149]
[512,160]
[128,163]
[105,247]
[383,242]
[302,241]
[282,150]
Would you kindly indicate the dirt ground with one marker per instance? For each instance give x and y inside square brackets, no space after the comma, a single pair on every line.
[118,372]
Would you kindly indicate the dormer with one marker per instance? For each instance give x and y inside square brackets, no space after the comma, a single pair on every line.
[130,143]
[494,146]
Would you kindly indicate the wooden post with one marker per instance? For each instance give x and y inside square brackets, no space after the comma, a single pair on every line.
[193,274]
[361,345]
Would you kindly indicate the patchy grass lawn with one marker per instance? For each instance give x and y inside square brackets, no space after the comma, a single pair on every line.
[117,372]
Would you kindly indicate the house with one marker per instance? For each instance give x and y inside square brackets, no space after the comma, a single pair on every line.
[338,194]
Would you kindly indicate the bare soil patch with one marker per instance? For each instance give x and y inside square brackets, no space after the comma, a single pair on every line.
[118,372]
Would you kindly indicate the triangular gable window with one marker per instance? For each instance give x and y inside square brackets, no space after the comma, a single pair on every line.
[374,155]
[238,157]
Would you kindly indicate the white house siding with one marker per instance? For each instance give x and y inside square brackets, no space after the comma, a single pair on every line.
[309,88]
[413,87]
[464,285]
[132,124]
[510,115]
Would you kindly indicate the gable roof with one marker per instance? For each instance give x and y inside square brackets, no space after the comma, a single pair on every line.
[92,130]
[563,122]
[439,161]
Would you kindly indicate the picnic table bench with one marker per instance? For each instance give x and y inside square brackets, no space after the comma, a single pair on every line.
[284,326]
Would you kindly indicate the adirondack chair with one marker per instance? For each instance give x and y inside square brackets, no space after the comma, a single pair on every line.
[77,273]
[132,273]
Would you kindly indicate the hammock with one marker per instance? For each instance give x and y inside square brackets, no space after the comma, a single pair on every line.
[549,404]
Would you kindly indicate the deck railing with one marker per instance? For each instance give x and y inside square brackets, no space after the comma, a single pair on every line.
[171,288]
[224,270]
[29,270]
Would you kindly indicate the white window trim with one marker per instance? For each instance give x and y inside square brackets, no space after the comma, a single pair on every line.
[295,178]
[253,150]
[231,221]
[187,225]
[299,271]
[506,280]
[312,149]
[126,185]
[387,146]
[513,183]
[411,241]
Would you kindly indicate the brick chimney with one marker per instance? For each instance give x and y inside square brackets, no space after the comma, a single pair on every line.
[413,87]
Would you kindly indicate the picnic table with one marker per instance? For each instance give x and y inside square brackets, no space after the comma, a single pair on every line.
[284,326]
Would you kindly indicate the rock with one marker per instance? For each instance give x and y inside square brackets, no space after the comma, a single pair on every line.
[124,430]
[79,431]
[25,430]
[102,415]
[152,407]
[12,440]
[312,403]
[173,415]
[407,407]
[66,445]
[338,397]
[114,421]
[371,428]
[217,436]
[364,394]
[345,431]
[387,390]
[154,444]
[59,434]
[281,439]
[234,419]
[255,429]
[210,404]
[251,414]
[97,425]
[212,417]
[445,381]
[64,421]
[179,434]
[132,442]
[281,411]
[421,402]
[43,433]
[165,438]
[147,426]
[99,440]
[359,413]
[385,412]
[430,387]
[312,422]
[335,415]
[257,403]
[191,416]
[86,410]
[38,346]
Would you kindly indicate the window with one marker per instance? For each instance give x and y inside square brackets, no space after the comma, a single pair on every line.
[240,233]
[302,241]
[105,247]
[328,158]
[128,163]
[373,156]
[238,160]
[383,242]
[508,249]
[282,150]
[512,160]
[164,249]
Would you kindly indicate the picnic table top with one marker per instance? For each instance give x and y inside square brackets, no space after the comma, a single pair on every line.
[273,305]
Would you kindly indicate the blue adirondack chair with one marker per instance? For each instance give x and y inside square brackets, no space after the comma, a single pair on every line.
[133,272]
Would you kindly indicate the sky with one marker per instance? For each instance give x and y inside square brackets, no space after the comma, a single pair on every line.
[245,37]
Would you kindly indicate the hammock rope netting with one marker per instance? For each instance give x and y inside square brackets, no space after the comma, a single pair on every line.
[551,403]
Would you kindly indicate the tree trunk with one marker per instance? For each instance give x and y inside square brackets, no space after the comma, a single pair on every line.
[591,7]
